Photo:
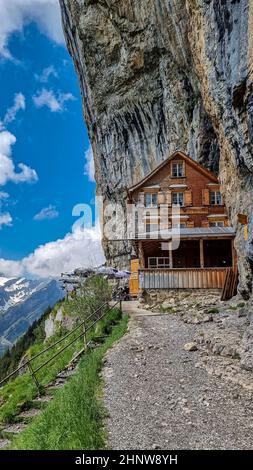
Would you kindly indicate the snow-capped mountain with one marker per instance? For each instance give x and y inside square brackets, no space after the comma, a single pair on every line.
[14,291]
[22,301]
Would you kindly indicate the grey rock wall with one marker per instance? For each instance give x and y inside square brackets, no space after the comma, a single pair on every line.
[163,75]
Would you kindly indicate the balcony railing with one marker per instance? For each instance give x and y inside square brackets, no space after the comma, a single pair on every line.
[182,278]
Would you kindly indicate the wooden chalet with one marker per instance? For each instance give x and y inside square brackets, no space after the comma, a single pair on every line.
[206,246]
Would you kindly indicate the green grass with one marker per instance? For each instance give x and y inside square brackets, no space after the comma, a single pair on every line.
[165,309]
[236,355]
[18,393]
[235,307]
[213,310]
[74,418]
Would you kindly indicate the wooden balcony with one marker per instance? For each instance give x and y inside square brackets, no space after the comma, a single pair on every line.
[185,278]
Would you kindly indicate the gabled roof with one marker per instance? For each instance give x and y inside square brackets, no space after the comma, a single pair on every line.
[181,155]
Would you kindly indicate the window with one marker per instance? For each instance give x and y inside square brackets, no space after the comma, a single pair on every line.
[152,262]
[177,199]
[151,199]
[216,224]
[179,225]
[177,170]
[159,263]
[216,198]
[151,227]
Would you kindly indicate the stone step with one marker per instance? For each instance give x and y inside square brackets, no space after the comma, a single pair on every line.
[55,386]
[15,428]
[28,414]
[4,443]
[59,382]
[42,399]
[66,374]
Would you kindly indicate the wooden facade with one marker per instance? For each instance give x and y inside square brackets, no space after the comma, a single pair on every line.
[206,240]
[196,191]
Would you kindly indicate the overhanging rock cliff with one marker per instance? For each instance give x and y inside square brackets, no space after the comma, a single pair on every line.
[163,75]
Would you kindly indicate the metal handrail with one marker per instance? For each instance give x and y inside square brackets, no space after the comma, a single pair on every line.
[83,323]
[75,339]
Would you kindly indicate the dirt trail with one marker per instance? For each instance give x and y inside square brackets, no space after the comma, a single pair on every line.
[158,399]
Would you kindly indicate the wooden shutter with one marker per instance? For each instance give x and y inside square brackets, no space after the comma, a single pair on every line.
[161,197]
[134,265]
[205,197]
[134,285]
[204,223]
[190,223]
[134,278]
[142,199]
[188,197]
[169,198]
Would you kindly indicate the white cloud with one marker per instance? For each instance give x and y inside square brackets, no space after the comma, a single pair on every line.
[19,103]
[11,268]
[5,219]
[3,195]
[55,102]
[7,168]
[49,212]
[15,14]
[89,167]
[46,74]
[78,249]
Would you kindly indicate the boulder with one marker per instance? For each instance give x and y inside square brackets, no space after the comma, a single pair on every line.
[191,346]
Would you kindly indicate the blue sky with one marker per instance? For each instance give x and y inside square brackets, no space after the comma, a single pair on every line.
[40,107]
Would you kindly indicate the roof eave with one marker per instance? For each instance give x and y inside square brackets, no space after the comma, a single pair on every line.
[208,173]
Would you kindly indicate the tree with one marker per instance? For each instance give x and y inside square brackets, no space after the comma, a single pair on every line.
[95,292]
[91,298]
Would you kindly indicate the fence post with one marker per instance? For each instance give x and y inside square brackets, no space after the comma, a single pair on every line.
[85,337]
[34,377]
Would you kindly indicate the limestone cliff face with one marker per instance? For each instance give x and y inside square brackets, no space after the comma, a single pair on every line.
[163,75]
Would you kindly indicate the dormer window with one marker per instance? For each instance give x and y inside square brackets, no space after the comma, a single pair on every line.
[177,170]
[178,199]
[215,198]
[151,199]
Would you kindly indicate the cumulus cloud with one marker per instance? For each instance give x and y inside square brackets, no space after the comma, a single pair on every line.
[89,167]
[19,104]
[49,212]
[54,101]
[7,169]
[15,14]
[79,249]
[46,74]
[10,268]
[5,219]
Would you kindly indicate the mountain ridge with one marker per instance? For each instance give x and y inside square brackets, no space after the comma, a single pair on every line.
[22,302]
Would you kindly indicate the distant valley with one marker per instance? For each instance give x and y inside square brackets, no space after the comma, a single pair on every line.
[22,301]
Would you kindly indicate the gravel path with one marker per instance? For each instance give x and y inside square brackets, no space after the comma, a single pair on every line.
[157,399]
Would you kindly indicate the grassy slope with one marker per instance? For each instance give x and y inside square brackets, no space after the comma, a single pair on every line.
[19,392]
[74,419]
